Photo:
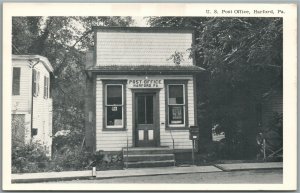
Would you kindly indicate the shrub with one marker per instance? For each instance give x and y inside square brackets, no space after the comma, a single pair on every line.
[28,158]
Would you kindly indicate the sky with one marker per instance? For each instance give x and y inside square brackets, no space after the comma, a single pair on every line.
[139,22]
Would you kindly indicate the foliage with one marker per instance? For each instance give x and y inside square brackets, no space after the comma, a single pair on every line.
[273,133]
[177,57]
[31,158]
[28,158]
[69,141]
[18,129]
[63,40]
[243,60]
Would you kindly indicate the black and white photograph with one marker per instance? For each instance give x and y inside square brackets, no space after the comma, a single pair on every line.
[145,99]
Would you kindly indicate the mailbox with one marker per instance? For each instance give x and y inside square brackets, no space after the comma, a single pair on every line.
[194,132]
[34,132]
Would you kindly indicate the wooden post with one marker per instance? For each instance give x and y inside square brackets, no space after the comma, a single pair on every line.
[94,173]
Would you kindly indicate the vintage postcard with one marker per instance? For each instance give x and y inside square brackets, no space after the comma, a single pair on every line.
[165,96]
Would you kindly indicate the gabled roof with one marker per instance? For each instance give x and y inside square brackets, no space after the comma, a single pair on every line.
[42,59]
[145,29]
[146,69]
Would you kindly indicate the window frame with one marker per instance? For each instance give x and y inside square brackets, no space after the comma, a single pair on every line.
[183,126]
[16,92]
[123,105]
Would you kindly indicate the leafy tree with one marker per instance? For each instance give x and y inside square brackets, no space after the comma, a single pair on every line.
[63,40]
[243,60]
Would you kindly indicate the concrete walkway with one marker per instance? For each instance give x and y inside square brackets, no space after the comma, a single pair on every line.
[50,176]
[249,166]
[71,175]
[155,171]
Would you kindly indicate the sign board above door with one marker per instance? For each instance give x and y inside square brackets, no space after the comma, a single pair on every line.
[145,83]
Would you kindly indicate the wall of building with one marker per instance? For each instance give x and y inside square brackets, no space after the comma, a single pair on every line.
[22,103]
[42,111]
[42,107]
[124,48]
[115,140]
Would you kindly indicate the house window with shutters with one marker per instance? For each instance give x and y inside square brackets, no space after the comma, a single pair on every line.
[16,81]
[36,86]
[46,87]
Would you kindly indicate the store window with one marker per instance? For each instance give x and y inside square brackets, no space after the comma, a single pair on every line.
[176,108]
[114,106]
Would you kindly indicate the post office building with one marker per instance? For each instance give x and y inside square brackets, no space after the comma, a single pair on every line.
[140,89]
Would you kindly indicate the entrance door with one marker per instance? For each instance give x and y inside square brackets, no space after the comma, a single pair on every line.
[145,120]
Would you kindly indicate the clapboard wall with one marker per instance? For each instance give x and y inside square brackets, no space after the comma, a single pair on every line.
[42,107]
[124,48]
[115,140]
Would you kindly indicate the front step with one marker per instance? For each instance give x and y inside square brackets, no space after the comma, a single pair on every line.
[148,157]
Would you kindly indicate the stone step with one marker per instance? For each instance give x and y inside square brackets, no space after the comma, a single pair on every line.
[149,157]
[139,157]
[142,164]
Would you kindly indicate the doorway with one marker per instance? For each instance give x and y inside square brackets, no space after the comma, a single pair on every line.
[146,119]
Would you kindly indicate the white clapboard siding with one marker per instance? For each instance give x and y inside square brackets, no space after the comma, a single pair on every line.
[123,48]
[115,140]
[191,105]
[42,108]
[22,102]
[112,140]
[181,138]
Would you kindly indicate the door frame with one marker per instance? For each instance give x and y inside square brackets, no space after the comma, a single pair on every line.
[156,116]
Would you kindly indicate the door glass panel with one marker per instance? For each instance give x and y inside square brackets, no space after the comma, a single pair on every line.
[150,134]
[145,109]
[149,109]
[141,110]
[141,135]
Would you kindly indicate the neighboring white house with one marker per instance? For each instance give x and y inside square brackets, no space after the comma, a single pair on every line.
[140,88]
[31,100]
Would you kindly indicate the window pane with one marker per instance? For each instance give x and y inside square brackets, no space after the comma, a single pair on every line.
[175,94]
[149,109]
[16,81]
[176,115]
[145,109]
[114,94]
[141,112]
[114,116]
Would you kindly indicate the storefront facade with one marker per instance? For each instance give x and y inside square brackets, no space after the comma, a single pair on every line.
[137,94]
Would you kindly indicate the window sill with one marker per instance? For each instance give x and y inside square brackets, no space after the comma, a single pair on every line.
[177,128]
[114,129]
